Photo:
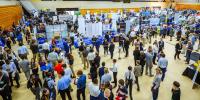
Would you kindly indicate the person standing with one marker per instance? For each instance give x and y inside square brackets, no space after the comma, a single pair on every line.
[70,58]
[161,45]
[81,84]
[121,91]
[176,91]
[35,84]
[188,52]
[126,46]
[51,86]
[155,51]
[4,85]
[85,60]
[34,48]
[111,49]
[97,60]
[63,86]
[94,90]
[53,56]
[129,80]
[106,78]
[142,61]
[149,61]
[101,70]
[24,64]
[105,46]
[46,49]
[137,72]
[156,84]
[162,64]
[12,71]
[22,50]
[136,54]
[178,48]
[91,56]
[121,42]
[114,69]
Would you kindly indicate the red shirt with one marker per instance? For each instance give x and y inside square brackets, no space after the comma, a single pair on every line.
[58,68]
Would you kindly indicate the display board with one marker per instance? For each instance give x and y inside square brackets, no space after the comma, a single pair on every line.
[93,29]
[65,17]
[52,29]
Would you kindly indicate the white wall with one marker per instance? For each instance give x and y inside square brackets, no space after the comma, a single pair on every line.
[7,2]
[92,4]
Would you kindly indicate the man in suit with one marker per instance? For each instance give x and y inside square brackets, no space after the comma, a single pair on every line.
[126,46]
[161,45]
[111,49]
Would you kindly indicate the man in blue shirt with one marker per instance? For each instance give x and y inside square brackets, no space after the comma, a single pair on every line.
[64,86]
[81,84]
[162,64]
[12,71]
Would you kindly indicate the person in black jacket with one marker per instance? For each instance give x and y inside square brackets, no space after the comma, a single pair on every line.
[178,48]
[161,45]
[142,60]
[4,86]
[126,46]
[111,49]
[176,91]
[35,84]
[136,54]
[105,46]
[97,60]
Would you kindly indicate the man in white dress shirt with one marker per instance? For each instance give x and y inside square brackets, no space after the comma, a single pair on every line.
[46,48]
[114,70]
[94,90]
[129,79]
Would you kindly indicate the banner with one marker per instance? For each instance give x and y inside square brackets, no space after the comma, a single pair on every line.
[154,21]
[65,17]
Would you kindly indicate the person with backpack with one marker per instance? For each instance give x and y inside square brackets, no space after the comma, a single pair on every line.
[121,91]
[35,84]
[49,83]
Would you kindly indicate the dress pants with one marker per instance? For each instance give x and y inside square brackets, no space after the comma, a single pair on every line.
[163,73]
[62,94]
[6,94]
[126,50]
[154,58]
[79,92]
[155,93]
[137,83]
[188,53]
[111,54]
[129,85]
[115,78]
[177,54]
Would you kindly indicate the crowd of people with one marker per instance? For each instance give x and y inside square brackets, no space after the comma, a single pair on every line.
[44,68]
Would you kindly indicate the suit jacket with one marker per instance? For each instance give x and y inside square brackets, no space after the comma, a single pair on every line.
[112,47]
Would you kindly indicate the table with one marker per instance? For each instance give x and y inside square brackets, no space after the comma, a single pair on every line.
[189,72]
